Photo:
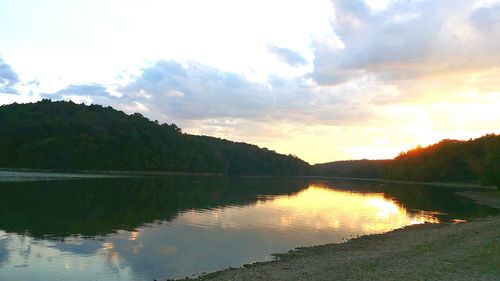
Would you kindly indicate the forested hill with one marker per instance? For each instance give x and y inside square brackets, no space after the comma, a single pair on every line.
[450,160]
[475,160]
[67,136]
[369,169]
[247,159]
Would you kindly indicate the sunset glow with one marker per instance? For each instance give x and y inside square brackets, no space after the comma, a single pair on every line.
[317,208]
[323,80]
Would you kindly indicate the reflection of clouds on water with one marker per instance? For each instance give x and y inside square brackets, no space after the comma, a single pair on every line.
[78,246]
[75,259]
[180,249]
[203,240]
[4,252]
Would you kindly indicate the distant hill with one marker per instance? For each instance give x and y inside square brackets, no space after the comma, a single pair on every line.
[351,168]
[67,136]
[475,160]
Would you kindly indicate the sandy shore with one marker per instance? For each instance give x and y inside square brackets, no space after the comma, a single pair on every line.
[491,198]
[464,251]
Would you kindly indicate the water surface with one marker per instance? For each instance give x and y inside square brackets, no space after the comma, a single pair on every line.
[157,228]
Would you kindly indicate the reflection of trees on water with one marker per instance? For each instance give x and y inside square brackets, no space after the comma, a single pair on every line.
[100,206]
[420,197]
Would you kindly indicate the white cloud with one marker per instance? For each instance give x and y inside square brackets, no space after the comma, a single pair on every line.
[408,39]
[193,91]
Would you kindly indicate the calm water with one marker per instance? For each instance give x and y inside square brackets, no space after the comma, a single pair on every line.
[158,228]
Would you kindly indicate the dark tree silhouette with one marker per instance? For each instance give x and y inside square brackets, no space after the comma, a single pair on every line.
[475,160]
[67,136]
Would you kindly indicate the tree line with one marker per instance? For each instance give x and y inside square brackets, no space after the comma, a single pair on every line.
[63,135]
[474,160]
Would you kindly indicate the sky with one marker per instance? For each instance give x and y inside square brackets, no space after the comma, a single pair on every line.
[321,79]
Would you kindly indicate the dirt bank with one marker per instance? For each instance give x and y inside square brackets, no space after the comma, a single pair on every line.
[491,198]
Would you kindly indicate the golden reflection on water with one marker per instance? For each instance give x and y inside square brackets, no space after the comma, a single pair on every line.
[134,235]
[107,246]
[110,252]
[315,208]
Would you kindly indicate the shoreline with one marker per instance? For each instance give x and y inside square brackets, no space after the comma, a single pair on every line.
[490,198]
[443,184]
[443,251]
[463,251]
[40,174]
[111,173]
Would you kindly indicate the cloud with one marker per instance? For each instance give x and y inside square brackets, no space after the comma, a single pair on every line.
[8,78]
[89,90]
[194,92]
[207,100]
[486,20]
[83,93]
[288,56]
[407,40]
[197,91]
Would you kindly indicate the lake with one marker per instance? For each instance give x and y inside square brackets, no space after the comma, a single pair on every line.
[147,228]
